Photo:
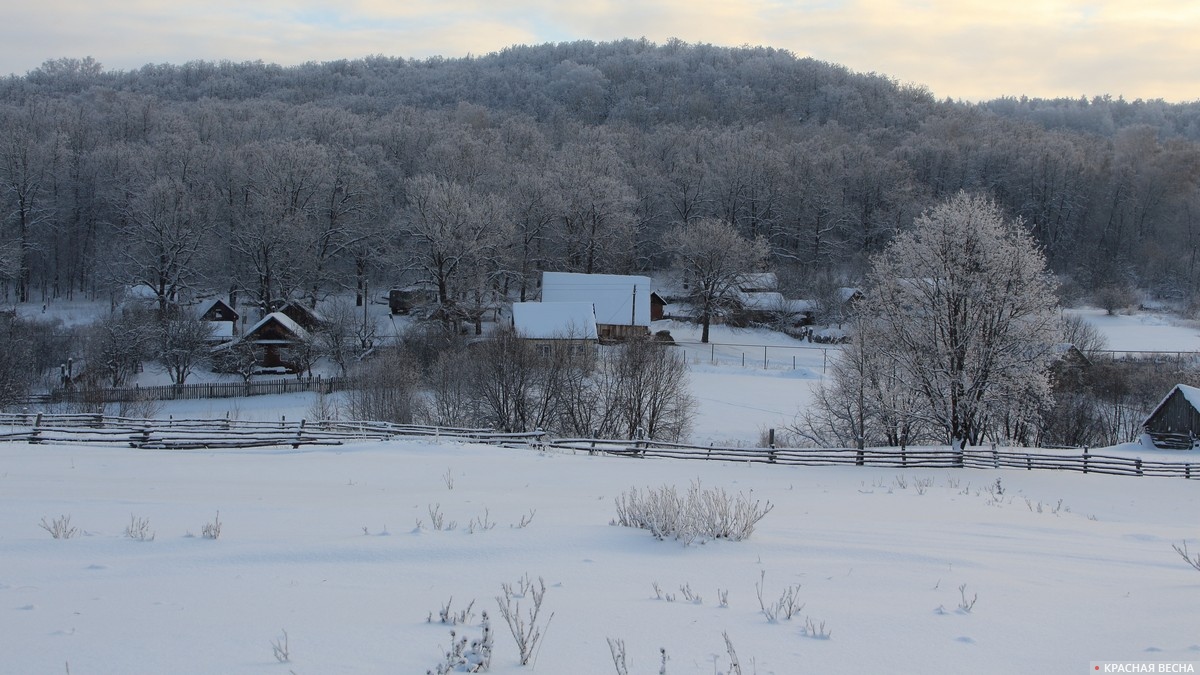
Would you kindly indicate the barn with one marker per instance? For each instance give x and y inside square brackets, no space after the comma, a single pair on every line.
[622,302]
[1175,423]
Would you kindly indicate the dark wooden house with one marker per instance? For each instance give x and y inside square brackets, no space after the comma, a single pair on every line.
[1175,423]
[219,310]
[273,337]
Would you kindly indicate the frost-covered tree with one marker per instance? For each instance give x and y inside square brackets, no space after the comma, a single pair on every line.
[967,317]
[712,256]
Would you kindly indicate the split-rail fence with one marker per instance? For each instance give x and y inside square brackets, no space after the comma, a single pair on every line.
[180,434]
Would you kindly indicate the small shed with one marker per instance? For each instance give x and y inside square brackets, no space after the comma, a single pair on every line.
[658,306]
[1174,424]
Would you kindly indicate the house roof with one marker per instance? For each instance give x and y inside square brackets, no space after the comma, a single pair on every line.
[280,319]
[555,320]
[620,300]
[1190,394]
[210,311]
[757,281]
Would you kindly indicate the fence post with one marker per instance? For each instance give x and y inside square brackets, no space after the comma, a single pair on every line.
[771,438]
[299,434]
[1028,463]
[1187,470]
[995,457]
[1137,465]
[1085,459]
[903,456]
[37,430]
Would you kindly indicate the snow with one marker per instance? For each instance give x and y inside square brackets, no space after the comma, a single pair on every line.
[1142,331]
[619,299]
[555,320]
[323,543]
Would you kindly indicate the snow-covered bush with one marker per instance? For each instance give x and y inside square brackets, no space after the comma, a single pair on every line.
[466,655]
[706,513]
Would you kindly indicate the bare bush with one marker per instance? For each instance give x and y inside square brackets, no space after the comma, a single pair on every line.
[701,513]
[1187,557]
[386,389]
[139,529]
[787,606]
[212,530]
[60,527]
[281,648]
[524,626]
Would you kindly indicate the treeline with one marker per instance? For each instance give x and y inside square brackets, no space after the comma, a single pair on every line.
[472,175]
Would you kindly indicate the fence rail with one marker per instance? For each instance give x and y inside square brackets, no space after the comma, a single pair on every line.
[183,434]
[167,434]
[1084,462]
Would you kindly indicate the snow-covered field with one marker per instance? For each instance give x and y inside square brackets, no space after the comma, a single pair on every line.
[324,543]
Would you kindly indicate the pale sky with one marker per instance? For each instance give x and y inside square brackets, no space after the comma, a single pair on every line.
[962,49]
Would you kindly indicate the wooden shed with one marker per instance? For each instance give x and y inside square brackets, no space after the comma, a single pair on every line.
[1175,423]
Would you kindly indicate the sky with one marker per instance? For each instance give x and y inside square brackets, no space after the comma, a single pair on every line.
[961,49]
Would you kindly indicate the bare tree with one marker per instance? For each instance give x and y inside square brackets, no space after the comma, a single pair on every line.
[968,317]
[183,344]
[712,256]
[650,397]
[454,238]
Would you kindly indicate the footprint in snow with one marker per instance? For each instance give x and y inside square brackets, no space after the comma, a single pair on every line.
[965,640]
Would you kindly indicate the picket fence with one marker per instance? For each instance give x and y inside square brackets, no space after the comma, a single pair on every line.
[179,392]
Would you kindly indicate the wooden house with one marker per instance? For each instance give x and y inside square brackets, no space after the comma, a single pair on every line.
[273,336]
[556,325]
[221,318]
[1175,423]
[621,302]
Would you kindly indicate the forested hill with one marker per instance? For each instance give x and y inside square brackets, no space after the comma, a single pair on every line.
[303,178]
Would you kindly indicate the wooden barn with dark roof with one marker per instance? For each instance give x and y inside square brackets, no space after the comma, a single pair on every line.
[1175,423]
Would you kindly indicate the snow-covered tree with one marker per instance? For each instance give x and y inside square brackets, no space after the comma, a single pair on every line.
[712,256]
[966,316]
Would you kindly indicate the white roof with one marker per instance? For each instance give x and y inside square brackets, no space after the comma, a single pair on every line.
[283,319]
[619,299]
[555,320]
[757,281]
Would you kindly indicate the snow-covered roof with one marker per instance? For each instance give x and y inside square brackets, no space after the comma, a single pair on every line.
[1190,394]
[621,300]
[555,320]
[757,281]
[771,301]
[283,320]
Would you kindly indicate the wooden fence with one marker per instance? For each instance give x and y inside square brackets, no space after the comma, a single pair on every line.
[174,392]
[172,433]
[184,434]
[970,458]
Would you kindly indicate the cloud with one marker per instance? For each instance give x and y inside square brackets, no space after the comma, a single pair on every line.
[958,48]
